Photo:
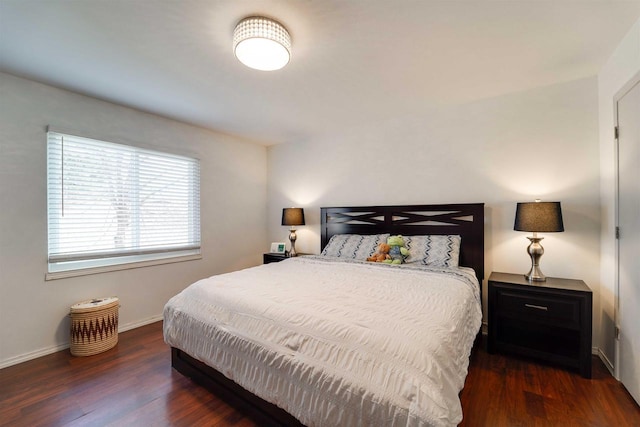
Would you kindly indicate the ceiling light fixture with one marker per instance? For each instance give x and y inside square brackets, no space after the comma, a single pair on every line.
[262,43]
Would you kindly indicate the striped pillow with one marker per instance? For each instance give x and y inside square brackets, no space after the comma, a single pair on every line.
[353,246]
[434,250]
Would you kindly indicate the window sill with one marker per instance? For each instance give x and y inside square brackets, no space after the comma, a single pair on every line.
[125,266]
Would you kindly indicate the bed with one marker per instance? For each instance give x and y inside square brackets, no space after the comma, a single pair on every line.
[329,340]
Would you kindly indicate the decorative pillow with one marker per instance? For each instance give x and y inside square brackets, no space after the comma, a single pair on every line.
[353,246]
[433,250]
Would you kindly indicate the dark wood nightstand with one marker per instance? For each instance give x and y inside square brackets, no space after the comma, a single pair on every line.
[271,257]
[549,320]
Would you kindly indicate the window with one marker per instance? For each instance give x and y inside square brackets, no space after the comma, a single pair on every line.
[111,204]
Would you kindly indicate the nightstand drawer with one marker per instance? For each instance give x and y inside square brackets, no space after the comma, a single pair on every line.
[545,309]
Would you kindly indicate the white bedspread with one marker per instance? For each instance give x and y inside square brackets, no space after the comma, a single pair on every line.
[336,343]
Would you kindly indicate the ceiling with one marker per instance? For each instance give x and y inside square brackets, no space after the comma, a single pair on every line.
[353,62]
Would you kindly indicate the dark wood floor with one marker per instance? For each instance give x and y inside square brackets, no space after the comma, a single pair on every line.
[134,385]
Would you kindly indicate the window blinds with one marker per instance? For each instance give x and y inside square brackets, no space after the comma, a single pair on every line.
[108,201]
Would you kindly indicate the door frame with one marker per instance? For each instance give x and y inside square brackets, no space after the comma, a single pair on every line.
[616,306]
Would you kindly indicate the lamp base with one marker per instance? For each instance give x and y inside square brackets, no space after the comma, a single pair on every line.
[292,239]
[535,251]
[535,276]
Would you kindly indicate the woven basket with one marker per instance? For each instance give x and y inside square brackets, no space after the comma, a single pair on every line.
[94,326]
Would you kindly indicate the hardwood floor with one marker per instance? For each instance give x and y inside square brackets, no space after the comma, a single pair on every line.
[503,391]
[133,385]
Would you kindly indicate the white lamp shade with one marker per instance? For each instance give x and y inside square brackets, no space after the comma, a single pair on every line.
[262,43]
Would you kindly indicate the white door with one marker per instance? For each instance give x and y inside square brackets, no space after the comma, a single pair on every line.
[629,242]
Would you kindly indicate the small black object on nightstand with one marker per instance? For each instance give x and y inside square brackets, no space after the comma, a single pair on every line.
[549,320]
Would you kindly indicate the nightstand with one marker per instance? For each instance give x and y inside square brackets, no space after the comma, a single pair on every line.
[271,257]
[548,321]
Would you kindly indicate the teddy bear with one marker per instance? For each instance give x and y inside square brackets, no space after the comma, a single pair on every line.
[398,252]
[381,254]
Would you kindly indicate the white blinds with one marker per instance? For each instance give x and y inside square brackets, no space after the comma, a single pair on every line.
[108,200]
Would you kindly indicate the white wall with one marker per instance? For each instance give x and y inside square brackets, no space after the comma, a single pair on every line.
[33,312]
[623,64]
[541,143]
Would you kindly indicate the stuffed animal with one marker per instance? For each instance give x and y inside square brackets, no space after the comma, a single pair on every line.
[381,254]
[398,252]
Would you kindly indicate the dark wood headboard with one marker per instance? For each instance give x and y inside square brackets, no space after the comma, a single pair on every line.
[466,220]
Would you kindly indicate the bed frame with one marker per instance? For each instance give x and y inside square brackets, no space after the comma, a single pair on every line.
[466,220]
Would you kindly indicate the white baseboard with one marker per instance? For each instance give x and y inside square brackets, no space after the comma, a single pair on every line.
[606,361]
[133,325]
[54,349]
[32,355]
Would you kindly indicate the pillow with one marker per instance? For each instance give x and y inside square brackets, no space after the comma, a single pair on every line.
[434,250]
[353,246]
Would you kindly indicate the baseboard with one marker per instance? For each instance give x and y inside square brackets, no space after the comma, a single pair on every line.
[56,348]
[606,361]
[32,355]
[133,325]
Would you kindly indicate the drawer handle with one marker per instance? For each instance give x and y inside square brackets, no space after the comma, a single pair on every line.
[537,307]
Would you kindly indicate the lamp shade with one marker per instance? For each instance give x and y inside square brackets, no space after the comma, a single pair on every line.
[262,43]
[292,216]
[543,217]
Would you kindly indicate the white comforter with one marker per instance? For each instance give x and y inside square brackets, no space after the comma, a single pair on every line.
[336,343]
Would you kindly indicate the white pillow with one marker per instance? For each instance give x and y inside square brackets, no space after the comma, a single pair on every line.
[433,250]
[353,246]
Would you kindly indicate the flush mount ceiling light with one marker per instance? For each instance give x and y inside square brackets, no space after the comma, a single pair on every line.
[262,43]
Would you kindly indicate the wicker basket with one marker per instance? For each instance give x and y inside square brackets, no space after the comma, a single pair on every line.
[94,326]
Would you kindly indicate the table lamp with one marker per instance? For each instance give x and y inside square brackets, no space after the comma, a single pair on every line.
[292,217]
[538,217]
